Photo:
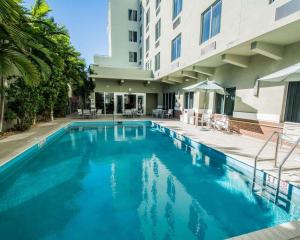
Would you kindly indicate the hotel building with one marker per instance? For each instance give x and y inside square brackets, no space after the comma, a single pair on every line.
[159,47]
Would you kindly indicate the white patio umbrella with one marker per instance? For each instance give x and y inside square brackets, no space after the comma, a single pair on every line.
[289,74]
[207,87]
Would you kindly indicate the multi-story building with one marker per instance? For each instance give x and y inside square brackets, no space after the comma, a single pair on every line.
[158,47]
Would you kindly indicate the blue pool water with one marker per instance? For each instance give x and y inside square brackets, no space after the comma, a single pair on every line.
[127,182]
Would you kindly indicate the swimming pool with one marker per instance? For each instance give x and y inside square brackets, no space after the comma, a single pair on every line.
[128,180]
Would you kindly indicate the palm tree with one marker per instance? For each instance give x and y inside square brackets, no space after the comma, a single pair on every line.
[19,53]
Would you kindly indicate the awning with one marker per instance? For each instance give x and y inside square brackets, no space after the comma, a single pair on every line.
[289,74]
[206,86]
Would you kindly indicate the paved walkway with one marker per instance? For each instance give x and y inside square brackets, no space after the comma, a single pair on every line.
[15,144]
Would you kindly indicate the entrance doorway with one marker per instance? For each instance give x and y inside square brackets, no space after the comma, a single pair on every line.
[116,103]
[229,102]
[130,101]
[292,109]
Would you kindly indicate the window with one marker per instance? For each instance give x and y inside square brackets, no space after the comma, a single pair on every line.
[132,15]
[157,3]
[176,48]
[177,7]
[189,100]
[141,32]
[132,36]
[141,10]
[147,44]
[157,30]
[133,57]
[169,100]
[141,53]
[211,21]
[148,17]
[157,62]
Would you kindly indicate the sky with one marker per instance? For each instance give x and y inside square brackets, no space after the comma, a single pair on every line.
[86,21]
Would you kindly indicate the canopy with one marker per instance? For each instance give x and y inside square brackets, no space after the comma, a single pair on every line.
[289,74]
[207,86]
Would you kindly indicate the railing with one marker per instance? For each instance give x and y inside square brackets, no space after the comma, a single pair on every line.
[261,150]
[281,166]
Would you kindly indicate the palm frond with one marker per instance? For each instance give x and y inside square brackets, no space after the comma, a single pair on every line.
[17,62]
[40,8]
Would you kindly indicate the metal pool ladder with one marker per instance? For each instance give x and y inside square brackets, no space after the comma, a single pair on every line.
[280,167]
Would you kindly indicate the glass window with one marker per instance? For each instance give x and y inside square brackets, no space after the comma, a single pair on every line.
[157,30]
[176,48]
[132,56]
[216,18]
[132,36]
[141,32]
[157,62]
[206,26]
[132,15]
[189,100]
[147,44]
[211,21]
[177,7]
[148,17]
[141,10]
[141,53]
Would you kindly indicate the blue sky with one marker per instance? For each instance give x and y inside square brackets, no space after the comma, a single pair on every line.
[86,21]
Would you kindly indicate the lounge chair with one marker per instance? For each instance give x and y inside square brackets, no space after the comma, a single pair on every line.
[221,124]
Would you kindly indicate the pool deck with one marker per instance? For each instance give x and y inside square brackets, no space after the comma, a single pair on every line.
[240,147]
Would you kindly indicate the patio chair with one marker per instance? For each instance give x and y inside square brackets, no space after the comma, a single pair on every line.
[156,113]
[221,124]
[127,113]
[134,112]
[169,114]
[206,120]
[87,113]
[99,113]
[79,112]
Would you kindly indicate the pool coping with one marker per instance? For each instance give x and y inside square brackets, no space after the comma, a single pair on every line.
[260,234]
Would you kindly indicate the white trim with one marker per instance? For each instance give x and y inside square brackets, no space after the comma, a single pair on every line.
[258,116]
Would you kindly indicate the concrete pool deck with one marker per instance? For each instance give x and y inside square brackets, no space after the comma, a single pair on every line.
[240,147]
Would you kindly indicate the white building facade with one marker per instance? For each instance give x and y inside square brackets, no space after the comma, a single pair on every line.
[158,47]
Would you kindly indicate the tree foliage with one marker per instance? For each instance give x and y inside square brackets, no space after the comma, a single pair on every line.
[36,55]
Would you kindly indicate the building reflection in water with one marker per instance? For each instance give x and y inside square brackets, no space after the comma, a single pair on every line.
[159,214]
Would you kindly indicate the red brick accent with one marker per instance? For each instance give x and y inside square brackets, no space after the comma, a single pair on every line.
[258,129]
